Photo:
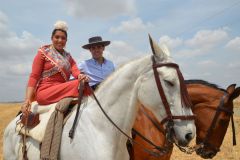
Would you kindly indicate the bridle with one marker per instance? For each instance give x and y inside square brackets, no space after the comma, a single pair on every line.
[169,119]
[184,94]
[205,142]
[229,112]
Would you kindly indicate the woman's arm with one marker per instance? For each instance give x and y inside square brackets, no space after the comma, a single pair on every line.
[28,98]
[37,68]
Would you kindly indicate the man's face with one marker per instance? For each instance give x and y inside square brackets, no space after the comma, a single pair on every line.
[97,51]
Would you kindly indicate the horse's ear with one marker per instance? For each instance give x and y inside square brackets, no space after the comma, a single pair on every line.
[152,44]
[156,50]
[235,94]
[231,88]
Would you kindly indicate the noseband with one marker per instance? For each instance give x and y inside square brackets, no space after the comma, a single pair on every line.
[219,109]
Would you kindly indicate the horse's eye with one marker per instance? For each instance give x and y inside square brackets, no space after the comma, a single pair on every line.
[169,83]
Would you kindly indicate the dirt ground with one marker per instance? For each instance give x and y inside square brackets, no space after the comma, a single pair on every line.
[228,152]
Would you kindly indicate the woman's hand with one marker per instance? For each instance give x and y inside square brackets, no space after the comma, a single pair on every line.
[83,77]
[26,106]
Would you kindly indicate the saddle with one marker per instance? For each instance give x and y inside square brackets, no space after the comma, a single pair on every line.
[37,119]
[30,119]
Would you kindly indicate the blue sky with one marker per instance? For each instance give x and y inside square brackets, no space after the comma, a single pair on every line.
[203,36]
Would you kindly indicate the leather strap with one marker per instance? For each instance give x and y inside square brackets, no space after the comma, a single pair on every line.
[184,94]
[219,109]
[80,96]
[162,150]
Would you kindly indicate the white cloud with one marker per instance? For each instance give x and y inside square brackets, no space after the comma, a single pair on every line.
[100,8]
[16,51]
[13,46]
[234,65]
[187,52]
[116,45]
[3,18]
[20,68]
[207,38]
[3,25]
[207,63]
[234,44]
[121,52]
[133,25]
[171,42]
[201,43]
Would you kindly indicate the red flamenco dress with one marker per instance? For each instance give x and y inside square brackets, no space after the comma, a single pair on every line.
[50,75]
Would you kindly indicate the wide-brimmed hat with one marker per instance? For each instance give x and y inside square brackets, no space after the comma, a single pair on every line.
[97,40]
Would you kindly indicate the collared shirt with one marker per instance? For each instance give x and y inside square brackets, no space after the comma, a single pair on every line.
[96,72]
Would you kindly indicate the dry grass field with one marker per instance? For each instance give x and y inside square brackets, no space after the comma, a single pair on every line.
[228,152]
[7,112]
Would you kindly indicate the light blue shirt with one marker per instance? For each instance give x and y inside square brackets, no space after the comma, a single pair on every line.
[96,72]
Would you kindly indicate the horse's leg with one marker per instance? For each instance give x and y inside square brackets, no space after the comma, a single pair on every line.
[12,148]
[11,141]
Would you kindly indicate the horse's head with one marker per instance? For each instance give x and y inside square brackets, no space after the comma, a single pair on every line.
[212,120]
[167,96]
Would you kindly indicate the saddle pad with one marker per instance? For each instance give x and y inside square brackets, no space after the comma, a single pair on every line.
[45,112]
[38,131]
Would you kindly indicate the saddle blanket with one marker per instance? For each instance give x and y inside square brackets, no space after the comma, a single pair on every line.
[38,131]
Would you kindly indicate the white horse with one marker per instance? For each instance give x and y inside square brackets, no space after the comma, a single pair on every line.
[95,137]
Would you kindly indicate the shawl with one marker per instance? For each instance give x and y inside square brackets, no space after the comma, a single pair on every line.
[59,61]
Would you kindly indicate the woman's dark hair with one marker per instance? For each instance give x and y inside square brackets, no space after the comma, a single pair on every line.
[55,30]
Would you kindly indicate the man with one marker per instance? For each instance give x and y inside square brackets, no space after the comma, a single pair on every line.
[98,67]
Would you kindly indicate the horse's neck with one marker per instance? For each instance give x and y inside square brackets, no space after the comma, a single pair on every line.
[117,96]
[117,93]
[203,94]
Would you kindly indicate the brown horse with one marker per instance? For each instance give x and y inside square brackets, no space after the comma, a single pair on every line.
[213,108]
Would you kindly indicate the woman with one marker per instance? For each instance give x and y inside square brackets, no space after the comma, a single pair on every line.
[51,69]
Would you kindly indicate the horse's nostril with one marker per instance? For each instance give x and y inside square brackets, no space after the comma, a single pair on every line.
[188,136]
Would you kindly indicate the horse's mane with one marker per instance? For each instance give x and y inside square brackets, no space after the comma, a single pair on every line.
[203,82]
[119,68]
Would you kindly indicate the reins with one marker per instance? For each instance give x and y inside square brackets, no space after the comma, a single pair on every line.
[80,96]
[155,123]
[162,150]
[24,136]
[72,130]
[187,150]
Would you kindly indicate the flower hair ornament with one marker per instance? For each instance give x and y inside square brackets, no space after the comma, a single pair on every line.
[61,25]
